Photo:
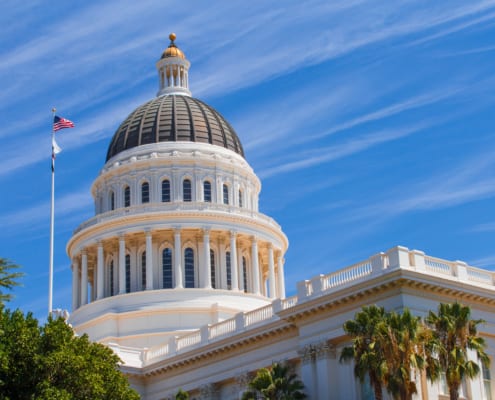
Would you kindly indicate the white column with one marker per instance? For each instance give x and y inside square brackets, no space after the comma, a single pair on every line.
[100,280]
[233,261]
[255,266]
[75,284]
[271,272]
[240,270]
[149,261]
[207,260]
[178,260]
[84,278]
[121,265]
[281,277]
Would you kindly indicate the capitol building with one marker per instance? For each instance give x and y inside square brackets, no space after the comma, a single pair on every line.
[183,277]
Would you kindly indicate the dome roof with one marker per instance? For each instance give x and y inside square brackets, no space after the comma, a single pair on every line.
[174,118]
[172,50]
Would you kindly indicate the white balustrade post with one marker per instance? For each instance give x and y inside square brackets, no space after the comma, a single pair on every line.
[207,260]
[178,260]
[84,278]
[121,264]
[281,277]
[100,284]
[461,271]
[149,260]
[271,272]
[233,261]
[255,265]
[75,284]
[398,257]
[418,259]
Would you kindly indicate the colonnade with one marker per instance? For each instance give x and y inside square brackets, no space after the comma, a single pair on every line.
[175,259]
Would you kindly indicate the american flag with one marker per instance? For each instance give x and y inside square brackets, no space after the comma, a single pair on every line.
[61,123]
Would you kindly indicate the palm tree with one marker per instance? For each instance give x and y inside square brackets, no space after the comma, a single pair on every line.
[275,383]
[455,333]
[366,350]
[8,279]
[182,395]
[402,336]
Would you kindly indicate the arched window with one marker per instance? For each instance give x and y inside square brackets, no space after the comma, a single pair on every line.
[145,192]
[189,267]
[244,274]
[240,198]
[167,268]
[229,270]
[212,271]
[186,190]
[166,191]
[112,200]
[207,191]
[111,278]
[143,270]
[225,194]
[127,196]
[127,273]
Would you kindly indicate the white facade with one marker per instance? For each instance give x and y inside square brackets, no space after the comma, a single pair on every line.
[183,277]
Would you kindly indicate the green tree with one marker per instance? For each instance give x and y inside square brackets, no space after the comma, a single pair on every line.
[278,382]
[182,395]
[50,362]
[402,337]
[366,349]
[454,334]
[8,279]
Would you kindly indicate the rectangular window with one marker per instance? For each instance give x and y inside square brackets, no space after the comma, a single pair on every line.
[143,270]
[145,192]
[127,273]
[229,270]
[166,191]
[127,196]
[187,191]
[225,194]
[207,191]
[212,266]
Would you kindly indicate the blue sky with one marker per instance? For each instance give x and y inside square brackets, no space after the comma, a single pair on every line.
[370,123]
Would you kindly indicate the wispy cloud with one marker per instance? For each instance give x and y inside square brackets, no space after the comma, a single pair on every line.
[38,214]
[332,153]
[468,182]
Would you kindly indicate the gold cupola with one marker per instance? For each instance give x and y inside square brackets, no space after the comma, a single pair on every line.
[173,70]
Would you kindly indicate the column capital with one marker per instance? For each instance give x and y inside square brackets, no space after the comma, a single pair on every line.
[121,235]
[84,252]
[177,230]
[233,234]
[147,231]
[99,242]
[254,239]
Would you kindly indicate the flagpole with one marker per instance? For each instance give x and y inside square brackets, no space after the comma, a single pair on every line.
[52,220]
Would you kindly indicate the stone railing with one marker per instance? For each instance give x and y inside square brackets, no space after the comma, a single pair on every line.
[175,207]
[394,259]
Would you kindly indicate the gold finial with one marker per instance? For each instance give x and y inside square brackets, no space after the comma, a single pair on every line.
[172,37]
[54,110]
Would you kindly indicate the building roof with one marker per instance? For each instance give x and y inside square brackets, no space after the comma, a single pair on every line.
[174,118]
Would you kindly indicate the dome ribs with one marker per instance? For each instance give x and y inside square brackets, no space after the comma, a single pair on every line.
[171,118]
[191,122]
[174,120]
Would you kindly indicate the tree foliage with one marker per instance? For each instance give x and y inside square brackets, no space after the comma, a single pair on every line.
[391,349]
[366,349]
[8,279]
[50,362]
[278,382]
[454,333]
[182,395]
